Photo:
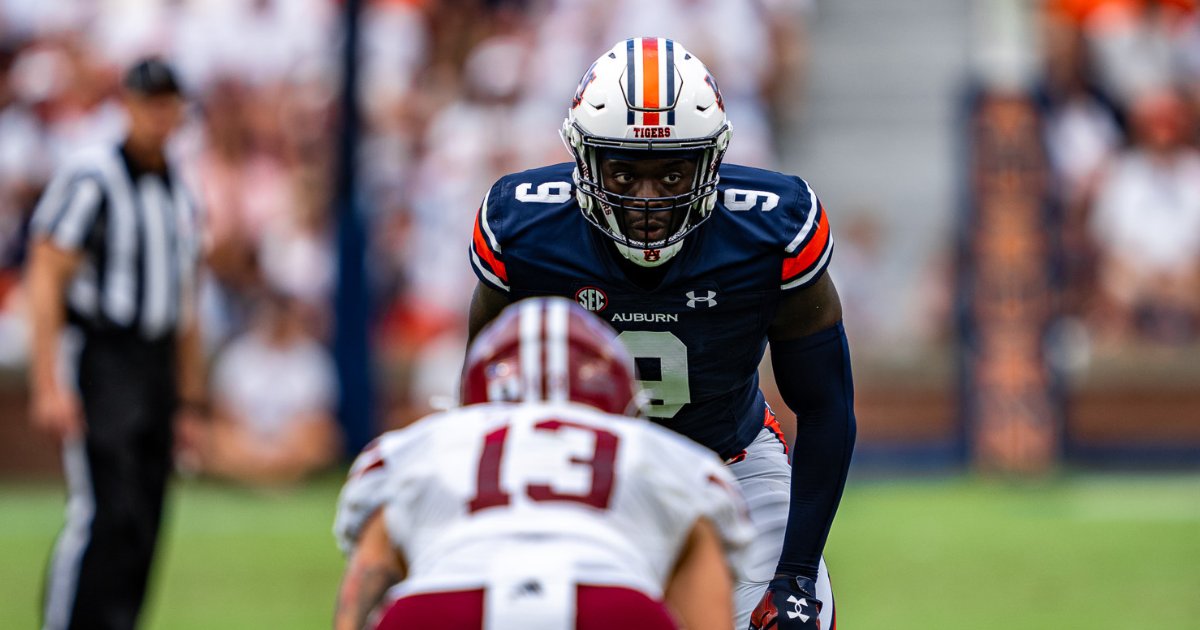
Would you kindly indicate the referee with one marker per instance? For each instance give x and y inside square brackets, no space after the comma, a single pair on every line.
[115,249]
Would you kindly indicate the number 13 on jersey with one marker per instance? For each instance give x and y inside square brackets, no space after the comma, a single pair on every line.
[488,490]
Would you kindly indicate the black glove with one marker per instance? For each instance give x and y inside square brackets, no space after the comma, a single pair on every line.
[788,604]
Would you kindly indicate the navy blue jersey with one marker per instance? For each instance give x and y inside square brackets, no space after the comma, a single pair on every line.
[699,336]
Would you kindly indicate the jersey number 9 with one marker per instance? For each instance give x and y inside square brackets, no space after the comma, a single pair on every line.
[668,392]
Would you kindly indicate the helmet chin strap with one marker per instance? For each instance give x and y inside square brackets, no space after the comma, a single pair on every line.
[642,257]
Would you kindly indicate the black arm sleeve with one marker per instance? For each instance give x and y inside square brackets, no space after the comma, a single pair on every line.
[813,374]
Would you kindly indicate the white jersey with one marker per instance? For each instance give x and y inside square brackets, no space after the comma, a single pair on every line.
[497,492]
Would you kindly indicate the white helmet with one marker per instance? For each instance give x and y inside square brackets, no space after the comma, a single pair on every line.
[646,98]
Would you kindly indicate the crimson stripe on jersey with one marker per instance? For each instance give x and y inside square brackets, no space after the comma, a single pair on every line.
[357,469]
[379,463]
[485,253]
[596,608]
[810,252]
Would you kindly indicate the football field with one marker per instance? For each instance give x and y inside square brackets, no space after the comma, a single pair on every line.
[1080,551]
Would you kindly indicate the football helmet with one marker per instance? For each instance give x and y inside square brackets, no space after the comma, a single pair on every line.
[550,350]
[647,98]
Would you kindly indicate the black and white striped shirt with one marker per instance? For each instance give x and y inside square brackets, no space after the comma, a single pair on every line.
[139,231]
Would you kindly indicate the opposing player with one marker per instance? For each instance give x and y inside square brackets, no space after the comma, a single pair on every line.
[699,264]
[535,506]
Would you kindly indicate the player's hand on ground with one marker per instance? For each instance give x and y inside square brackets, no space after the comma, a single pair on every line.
[57,412]
[788,604]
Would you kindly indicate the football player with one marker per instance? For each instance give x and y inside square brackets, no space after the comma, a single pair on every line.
[699,264]
[535,505]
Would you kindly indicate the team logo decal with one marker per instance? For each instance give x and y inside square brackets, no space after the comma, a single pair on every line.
[592,299]
[652,255]
[588,77]
[708,300]
[529,589]
[712,83]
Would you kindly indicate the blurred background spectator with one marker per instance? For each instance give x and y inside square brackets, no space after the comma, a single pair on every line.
[1146,224]
[456,93]
[1119,97]
[274,391]
[862,98]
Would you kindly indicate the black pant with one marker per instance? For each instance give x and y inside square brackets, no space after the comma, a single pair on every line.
[116,478]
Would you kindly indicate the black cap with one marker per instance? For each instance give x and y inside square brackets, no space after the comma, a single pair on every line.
[152,77]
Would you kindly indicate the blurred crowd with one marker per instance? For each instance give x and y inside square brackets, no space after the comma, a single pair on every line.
[1120,98]
[486,95]
[455,93]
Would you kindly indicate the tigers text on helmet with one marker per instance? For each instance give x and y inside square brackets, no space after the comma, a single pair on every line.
[550,350]
[645,99]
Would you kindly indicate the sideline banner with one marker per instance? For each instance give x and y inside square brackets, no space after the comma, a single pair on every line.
[1012,406]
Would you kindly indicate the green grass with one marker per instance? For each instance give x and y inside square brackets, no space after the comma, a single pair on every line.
[230,558]
[1077,552]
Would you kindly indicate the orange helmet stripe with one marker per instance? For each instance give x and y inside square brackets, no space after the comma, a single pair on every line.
[650,79]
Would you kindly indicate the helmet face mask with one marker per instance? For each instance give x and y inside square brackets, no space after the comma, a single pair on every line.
[638,206]
[623,111]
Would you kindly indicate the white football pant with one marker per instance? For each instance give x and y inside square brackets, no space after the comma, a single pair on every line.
[766,480]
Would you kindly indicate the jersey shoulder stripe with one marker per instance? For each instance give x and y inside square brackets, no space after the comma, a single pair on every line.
[787,216]
[782,207]
[485,248]
[811,218]
[512,212]
[808,253]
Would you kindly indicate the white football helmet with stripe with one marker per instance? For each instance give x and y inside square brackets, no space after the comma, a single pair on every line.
[551,350]
[646,98]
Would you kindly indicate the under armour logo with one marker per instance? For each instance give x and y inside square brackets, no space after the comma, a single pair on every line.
[708,301]
[529,589]
[799,611]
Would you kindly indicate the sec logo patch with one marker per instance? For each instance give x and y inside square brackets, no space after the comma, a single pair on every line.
[592,299]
